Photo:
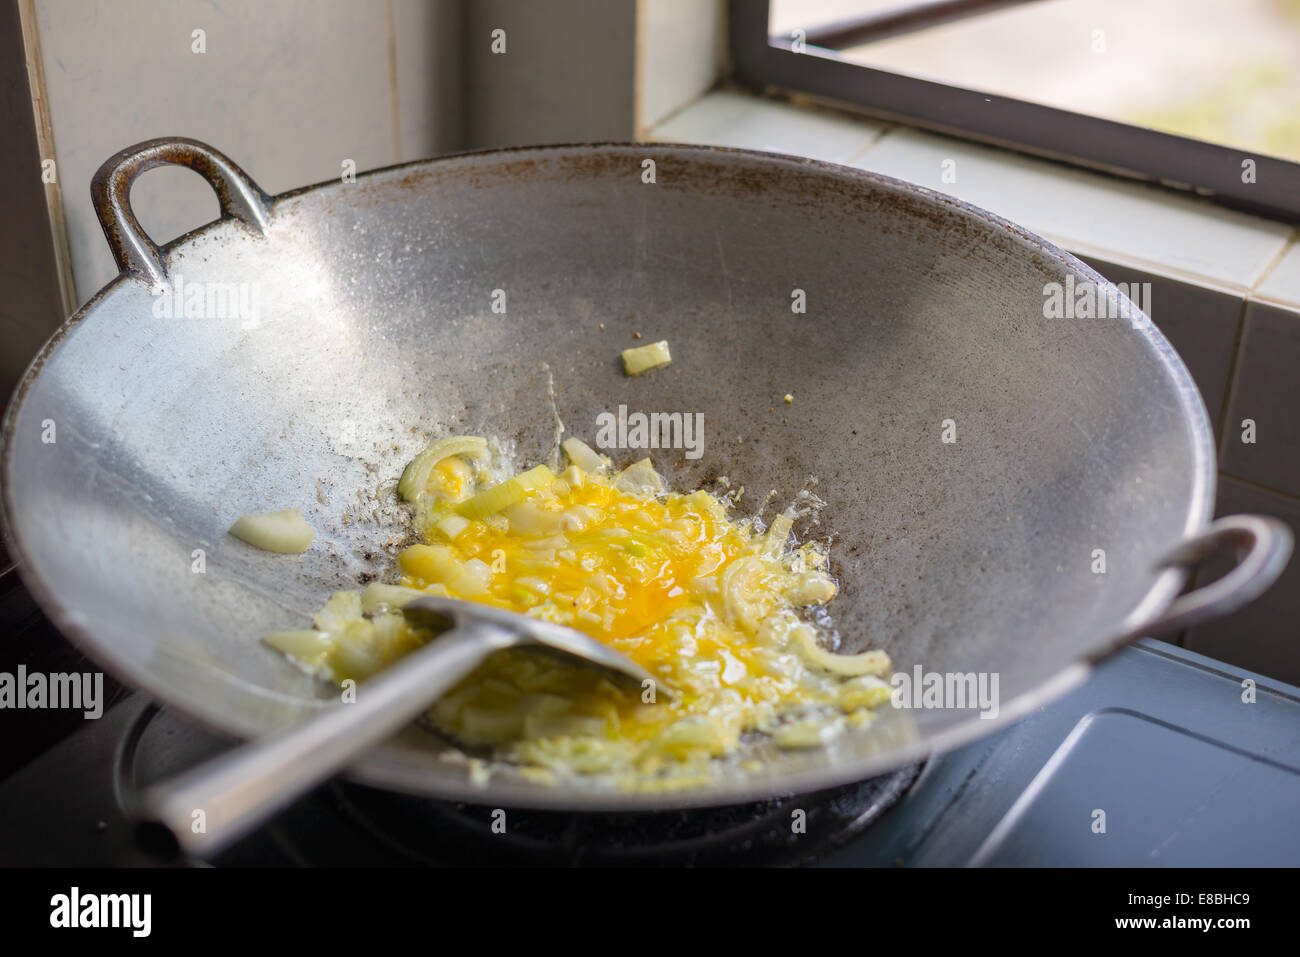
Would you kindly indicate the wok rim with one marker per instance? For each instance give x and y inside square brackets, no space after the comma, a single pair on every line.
[382,767]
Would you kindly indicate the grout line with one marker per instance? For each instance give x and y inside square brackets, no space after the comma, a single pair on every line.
[639,16]
[876,135]
[394,112]
[880,135]
[1086,250]
[1172,274]
[1234,376]
[1098,178]
[1273,263]
[1282,305]
[1261,487]
[28,27]
[642,129]
[678,111]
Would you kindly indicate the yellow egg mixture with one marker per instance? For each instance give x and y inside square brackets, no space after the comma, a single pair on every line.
[712,605]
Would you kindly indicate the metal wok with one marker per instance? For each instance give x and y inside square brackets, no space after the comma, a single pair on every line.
[140,433]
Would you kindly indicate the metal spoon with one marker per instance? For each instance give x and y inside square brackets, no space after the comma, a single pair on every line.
[232,794]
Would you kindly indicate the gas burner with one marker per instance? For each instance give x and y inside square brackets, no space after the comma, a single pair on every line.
[1158,755]
[344,822]
[758,833]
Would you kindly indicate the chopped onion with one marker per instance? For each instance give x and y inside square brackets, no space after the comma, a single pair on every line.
[583,455]
[868,663]
[509,492]
[378,596]
[438,564]
[527,519]
[812,733]
[451,526]
[415,478]
[342,607]
[640,478]
[644,358]
[430,563]
[745,594]
[777,534]
[578,518]
[477,570]
[285,532]
[307,647]
[811,588]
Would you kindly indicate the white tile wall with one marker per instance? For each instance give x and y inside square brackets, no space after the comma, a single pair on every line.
[427,39]
[735,119]
[1282,283]
[31,280]
[679,55]
[1087,212]
[288,90]
[568,74]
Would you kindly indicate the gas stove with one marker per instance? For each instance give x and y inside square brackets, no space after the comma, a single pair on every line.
[1156,760]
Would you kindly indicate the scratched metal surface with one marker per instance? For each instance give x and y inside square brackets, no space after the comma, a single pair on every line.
[376,333]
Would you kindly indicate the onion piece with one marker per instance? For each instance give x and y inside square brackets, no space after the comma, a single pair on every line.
[451,526]
[509,492]
[342,608]
[438,565]
[777,534]
[640,478]
[377,596]
[527,519]
[804,639]
[285,532]
[644,358]
[306,646]
[415,477]
[583,455]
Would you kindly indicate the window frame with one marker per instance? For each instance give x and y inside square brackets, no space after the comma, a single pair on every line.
[764,64]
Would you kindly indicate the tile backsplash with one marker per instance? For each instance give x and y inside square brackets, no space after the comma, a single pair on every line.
[1202,323]
[1244,356]
[1264,393]
[288,90]
[727,119]
[293,89]
[1081,210]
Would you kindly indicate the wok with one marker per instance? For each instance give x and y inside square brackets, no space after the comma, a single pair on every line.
[138,436]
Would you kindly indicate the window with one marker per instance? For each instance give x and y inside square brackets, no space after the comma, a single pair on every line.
[1195,94]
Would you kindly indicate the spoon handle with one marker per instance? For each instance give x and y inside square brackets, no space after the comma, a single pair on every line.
[208,807]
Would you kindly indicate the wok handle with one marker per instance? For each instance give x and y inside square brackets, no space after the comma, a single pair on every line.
[110,191]
[1263,546]
[208,807]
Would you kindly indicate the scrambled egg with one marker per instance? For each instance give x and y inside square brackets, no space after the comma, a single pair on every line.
[714,606]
